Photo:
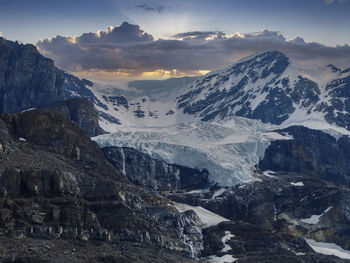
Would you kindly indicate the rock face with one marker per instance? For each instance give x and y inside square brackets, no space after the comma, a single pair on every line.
[29,80]
[155,175]
[251,244]
[82,112]
[311,152]
[55,184]
[270,218]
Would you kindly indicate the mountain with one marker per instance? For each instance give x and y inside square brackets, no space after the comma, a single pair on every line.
[270,87]
[29,80]
[267,86]
[199,127]
[274,139]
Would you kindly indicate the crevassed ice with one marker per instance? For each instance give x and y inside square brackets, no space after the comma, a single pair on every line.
[228,150]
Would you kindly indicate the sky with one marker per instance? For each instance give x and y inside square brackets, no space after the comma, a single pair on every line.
[163,38]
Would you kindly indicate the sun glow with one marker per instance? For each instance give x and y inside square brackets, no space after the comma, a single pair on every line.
[133,75]
[203,72]
[174,73]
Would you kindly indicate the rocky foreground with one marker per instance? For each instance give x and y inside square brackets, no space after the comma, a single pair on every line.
[62,200]
[57,186]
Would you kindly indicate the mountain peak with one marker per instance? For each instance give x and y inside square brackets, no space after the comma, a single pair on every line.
[261,64]
[265,54]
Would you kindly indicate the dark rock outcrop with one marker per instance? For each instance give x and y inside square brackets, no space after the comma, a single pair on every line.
[82,112]
[29,80]
[268,218]
[251,244]
[155,175]
[311,152]
[56,185]
[117,101]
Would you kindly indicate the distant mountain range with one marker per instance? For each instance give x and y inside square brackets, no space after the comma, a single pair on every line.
[267,86]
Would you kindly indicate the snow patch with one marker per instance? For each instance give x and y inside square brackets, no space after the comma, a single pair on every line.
[314,219]
[22,139]
[328,249]
[30,109]
[269,174]
[316,123]
[226,238]
[223,259]
[206,217]
[298,184]
[218,193]
[198,191]
[123,157]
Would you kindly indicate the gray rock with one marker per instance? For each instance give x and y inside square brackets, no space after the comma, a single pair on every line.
[155,175]
[82,112]
[310,152]
[29,80]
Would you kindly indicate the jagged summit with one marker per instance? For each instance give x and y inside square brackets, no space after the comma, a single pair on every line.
[262,56]
[258,56]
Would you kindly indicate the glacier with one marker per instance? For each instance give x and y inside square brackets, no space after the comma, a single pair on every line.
[195,121]
[229,150]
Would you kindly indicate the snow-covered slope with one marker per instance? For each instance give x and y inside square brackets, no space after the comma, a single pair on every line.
[272,88]
[141,103]
[206,217]
[228,150]
[267,86]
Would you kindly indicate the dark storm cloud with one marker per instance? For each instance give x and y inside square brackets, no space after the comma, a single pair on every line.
[128,48]
[199,35]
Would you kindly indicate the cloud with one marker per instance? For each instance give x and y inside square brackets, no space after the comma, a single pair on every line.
[200,35]
[127,51]
[151,8]
[331,1]
[0,34]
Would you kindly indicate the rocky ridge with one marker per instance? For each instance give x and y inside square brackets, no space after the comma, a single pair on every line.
[29,80]
[57,185]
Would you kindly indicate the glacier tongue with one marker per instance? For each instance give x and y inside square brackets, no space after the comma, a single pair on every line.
[228,150]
